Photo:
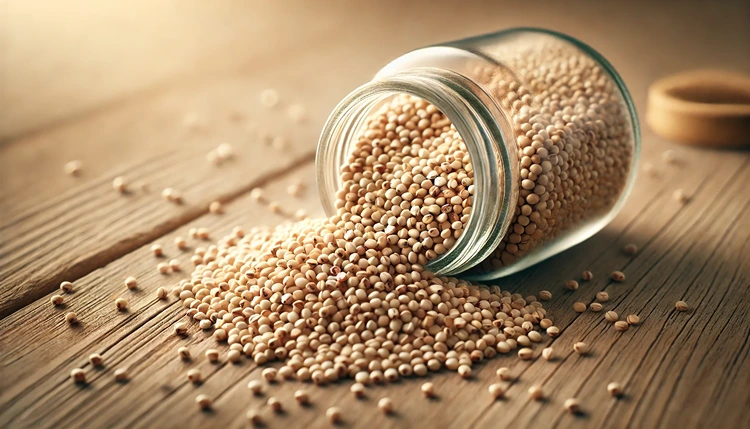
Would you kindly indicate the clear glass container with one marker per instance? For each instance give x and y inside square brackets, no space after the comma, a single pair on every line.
[550,128]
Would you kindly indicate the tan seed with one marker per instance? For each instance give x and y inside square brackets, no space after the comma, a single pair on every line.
[254,417]
[234,356]
[216,208]
[194,376]
[680,196]
[212,355]
[534,336]
[274,404]
[602,296]
[174,264]
[621,326]
[548,353]
[618,276]
[274,207]
[162,268]
[572,406]
[428,390]
[611,316]
[269,98]
[96,359]
[525,353]
[630,249]
[161,293]
[120,184]
[681,306]
[121,304]
[545,295]
[302,397]
[157,250]
[358,389]
[464,371]
[571,285]
[536,393]
[632,319]
[66,287]
[184,353]
[496,390]
[270,374]
[553,331]
[587,276]
[257,194]
[71,318]
[596,307]
[56,299]
[131,282]
[615,389]
[204,402]
[579,307]
[581,348]
[181,328]
[121,374]
[78,375]
[180,243]
[334,414]
[73,168]
[255,386]
[385,405]
[504,374]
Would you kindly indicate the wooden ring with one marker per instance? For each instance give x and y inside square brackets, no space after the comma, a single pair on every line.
[703,107]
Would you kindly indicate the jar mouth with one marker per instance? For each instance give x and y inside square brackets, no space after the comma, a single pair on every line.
[471,112]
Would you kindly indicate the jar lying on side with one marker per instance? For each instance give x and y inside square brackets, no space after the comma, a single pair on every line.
[549,127]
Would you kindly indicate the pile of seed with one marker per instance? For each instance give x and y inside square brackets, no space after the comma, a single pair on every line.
[574,140]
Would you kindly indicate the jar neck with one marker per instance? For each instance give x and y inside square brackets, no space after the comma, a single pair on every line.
[485,129]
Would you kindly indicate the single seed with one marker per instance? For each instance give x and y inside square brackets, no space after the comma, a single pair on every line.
[295,189]
[66,287]
[73,168]
[121,304]
[333,414]
[194,376]
[180,243]
[621,326]
[571,285]
[536,393]
[300,214]
[618,276]
[234,356]
[611,316]
[297,113]
[274,207]
[572,405]
[216,208]
[274,404]
[270,374]
[464,371]
[548,353]
[428,389]
[525,353]
[162,268]
[96,359]
[630,249]
[534,336]
[161,293]
[581,348]
[181,328]
[680,196]
[256,194]
[202,233]
[157,250]
[504,374]
[385,405]
[615,389]
[545,295]
[579,307]
[302,397]
[596,307]
[587,276]
[120,184]
[212,355]
[203,401]
[496,390]
[254,417]
[56,299]
[632,319]
[553,331]
[174,264]
[358,389]
[78,375]
[681,306]
[269,97]
[131,282]
[184,353]
[71,318]
[171,195]
[602,296]
[121,374]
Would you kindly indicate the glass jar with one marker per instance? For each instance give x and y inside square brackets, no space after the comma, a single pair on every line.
[548,124]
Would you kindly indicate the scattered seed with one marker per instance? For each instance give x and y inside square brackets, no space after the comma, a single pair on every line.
[234,356]
[73,168]
[274,404]
[602,296]
[297,113]
[180,243]
[596,307]
[270,374]
[581,348]
[254,417]
[333,414]
[534,336]
[121,304]
[162,268]
[300,214]
[269,97]
[255,386]
[157,250]
[572,405]
[571,285]
[681,306]
[428,390]
[212,355]
[181,328]
[121,374]
[615,389]
[358,389]
[184,353]
[71,318]
[632,319]
[120,184]
[302,397]
[496,390]
[257,194]
[174,264]
[274,207]
[96,359]
[548,353]
[618,276]
[194,376]
[545,295]
[203,234]
[553,331]
[545,323]
[204,402]
[621,326]
[504,374]
[171,195]
[523,341]
[131,282]
[386,405]
[587,276]
[680,196]
[536,393]
[161,293]
[56,300]
[216,208]
[295,189]
[579,307]
[78,375]
[66,287]
[464,371]
[611,316]
[630,249]
[525,353]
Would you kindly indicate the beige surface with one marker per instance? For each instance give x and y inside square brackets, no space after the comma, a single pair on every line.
[119,103]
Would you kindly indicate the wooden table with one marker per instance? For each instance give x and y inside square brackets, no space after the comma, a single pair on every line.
[111,85]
